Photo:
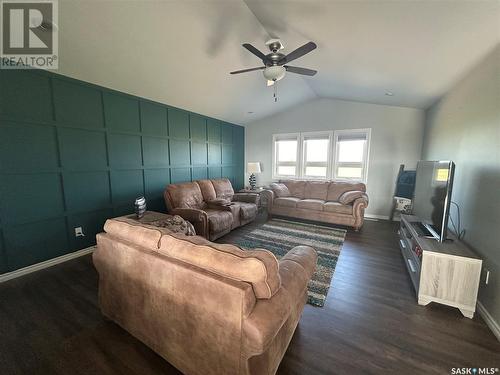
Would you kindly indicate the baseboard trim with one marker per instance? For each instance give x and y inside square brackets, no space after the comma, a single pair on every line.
[490,322]
[377,217]
[46,264]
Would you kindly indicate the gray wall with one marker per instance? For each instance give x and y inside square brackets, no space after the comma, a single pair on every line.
[464,126]
[396,138]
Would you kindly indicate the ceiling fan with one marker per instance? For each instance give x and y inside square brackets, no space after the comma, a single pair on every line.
[276,63]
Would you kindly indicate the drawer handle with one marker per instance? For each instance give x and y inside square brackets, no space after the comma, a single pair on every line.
[412,267]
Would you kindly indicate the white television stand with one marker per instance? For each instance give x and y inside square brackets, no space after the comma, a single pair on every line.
[443,272]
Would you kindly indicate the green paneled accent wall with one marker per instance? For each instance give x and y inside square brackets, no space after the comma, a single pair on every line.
[74,154]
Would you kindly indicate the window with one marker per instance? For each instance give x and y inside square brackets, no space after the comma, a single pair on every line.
[286,155]
[351,155]
[316,153]
[340,154]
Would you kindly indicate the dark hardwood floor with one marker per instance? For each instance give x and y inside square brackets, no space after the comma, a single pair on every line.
[371,324]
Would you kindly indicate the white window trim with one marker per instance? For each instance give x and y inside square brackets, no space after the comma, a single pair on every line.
[275,165]
[366,153]
[332,151]
[317,135]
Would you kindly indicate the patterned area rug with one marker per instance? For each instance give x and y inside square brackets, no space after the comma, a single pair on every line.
[280,236]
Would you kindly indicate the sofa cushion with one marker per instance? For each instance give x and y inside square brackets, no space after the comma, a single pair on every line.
[247,210]
[316,190]
[296,188]
[280,190]
[311,204]
[350,196]
[219,220]
[207,190]
[286,202]
[185,195]
[223,188]
[337,188]
[338,208]
[258,267]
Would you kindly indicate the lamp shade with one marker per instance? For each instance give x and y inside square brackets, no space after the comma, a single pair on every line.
[253,167]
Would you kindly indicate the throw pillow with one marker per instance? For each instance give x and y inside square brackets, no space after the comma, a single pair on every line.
[280,190]
[350,196]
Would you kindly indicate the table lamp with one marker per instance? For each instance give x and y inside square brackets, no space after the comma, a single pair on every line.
[253,168]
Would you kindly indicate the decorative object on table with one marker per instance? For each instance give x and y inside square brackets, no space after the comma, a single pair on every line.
[280,236]
[253,168]
[175,224]
[140,206]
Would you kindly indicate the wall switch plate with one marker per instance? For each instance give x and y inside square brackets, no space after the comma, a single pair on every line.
[79,232]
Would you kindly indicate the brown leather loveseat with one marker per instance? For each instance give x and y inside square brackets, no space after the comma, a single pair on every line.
[206,308]
[211,206]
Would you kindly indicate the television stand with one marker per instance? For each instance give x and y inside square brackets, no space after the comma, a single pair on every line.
[443,272]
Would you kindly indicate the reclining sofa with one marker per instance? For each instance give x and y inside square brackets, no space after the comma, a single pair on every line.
[206,308]
[211,206]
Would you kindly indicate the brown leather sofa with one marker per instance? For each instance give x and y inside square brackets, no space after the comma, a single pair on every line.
[206,308]
[211,206]
[335,202]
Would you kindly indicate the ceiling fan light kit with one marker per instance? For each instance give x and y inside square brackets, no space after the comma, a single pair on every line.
[274,72]
[274,62]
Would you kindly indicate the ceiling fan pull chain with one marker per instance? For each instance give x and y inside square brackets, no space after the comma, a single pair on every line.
[275,91]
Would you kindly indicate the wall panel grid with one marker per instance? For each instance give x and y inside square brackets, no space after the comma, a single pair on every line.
[74,154]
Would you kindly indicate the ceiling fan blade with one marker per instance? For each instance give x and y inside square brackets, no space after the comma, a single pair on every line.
[270,83]
[255,51]
[299,52]
[247,70]
[303,71]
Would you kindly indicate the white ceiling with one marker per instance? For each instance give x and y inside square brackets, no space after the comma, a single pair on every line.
[181,52]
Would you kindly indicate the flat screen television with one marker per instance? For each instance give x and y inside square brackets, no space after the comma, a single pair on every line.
[432,196]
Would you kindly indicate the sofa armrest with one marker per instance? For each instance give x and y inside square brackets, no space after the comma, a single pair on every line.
[195,216]
[246,198]
[358,211]
[305,256]
[268,197]
[361,201]
[268,316]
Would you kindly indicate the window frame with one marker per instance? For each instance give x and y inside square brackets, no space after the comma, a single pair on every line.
[276,164]
[366,155]
[304,164]
[332,157]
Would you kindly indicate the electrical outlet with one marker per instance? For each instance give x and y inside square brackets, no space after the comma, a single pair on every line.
[79,232]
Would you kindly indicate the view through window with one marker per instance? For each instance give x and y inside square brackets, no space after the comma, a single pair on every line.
[340,154]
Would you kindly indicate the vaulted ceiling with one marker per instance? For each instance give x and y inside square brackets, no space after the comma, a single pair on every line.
[180,52]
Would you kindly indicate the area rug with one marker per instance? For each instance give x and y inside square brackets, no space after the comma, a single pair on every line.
[280,236]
